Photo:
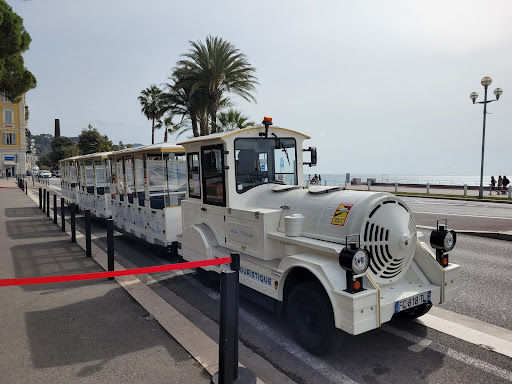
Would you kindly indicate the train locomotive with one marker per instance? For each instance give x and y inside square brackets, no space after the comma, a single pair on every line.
[333,260]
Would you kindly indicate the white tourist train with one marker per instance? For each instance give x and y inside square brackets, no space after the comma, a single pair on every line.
[331,260]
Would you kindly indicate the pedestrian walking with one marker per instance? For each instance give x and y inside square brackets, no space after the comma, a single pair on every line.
[493,185]
[506,182]
[500,184]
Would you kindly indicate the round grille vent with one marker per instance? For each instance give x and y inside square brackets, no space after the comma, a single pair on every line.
[389,234]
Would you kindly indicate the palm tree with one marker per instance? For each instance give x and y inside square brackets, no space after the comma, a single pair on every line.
[216,68]
[233,119]
[179,101]
[152,106]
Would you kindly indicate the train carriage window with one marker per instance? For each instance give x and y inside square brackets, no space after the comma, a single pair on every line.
[194,186]
[212,164]
[130,186]
[139,180]
[99,174]
[89,177]
[176,179]
[73,179]
[264,160]
[156,178]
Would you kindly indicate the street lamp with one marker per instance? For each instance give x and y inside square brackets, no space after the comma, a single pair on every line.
[486,81]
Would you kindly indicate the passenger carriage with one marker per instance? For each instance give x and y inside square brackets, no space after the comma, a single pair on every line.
[148,184]
[69,179]
[93,186]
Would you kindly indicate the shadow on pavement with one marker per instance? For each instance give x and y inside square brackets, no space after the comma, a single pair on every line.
[22,212]
[95,330]
[35,227]
[52,258]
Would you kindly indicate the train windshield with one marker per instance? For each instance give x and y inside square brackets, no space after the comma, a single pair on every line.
[265,160]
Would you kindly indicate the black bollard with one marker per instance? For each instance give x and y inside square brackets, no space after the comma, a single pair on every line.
[40,198]
[44,199]
[73,223]
[55,209]
[235,266]
[62,214]
[26,188]
[227,323]
[110,246]
[48,203]
[88,252]
[228,329]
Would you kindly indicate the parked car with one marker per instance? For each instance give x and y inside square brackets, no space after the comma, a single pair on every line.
[45,174]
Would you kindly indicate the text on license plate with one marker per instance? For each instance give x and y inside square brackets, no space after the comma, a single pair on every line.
[412,301]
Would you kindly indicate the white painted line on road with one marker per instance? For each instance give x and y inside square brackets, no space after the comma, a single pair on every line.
[462,215]
[495,338]
[459,356]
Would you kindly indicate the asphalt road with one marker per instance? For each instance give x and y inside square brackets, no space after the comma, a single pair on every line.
[462,215]
[400,351]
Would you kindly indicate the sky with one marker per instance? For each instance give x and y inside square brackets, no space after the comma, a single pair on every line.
[381,87]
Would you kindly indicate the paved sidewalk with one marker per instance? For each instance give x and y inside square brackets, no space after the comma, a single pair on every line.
[85,332]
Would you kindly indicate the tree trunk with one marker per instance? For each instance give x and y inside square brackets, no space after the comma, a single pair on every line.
[214,106]
[193,119]
[165,135]
[203,125]
[153,132]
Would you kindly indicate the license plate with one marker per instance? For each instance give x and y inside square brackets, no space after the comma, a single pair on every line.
[413,301]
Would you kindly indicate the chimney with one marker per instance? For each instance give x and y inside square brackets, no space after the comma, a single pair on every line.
[57,128]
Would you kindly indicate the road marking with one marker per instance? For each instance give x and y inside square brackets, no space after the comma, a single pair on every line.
[471,330]
[459,356]
[462,215]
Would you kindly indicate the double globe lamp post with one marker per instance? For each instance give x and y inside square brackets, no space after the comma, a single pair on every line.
[486,81]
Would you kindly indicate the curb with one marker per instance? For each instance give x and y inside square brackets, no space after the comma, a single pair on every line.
[489,235]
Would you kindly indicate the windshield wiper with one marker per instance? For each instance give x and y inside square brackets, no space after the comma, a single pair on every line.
[282,147]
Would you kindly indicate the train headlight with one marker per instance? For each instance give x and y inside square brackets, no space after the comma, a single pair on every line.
[443,240]
[354,261]
[360,261]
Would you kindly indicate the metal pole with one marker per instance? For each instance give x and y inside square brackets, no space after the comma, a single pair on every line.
[73,223]
[88,252]
[481,190]
[227,319]
[62,214]
[40,198]
[48,203]
[44,199]
[235,266]
[55,209]
[110,246]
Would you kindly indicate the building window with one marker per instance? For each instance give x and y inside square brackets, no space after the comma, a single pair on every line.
[9,138]
[4,98]
[8,119]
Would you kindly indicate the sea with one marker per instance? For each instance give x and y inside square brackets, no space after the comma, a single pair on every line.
[339,179]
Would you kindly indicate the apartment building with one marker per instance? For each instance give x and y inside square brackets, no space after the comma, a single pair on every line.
[13,144]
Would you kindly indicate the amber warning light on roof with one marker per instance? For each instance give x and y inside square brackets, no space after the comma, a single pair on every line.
[267,120]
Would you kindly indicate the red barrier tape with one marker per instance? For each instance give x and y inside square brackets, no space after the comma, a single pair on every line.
[102,275]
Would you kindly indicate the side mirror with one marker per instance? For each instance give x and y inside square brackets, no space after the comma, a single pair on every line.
[312,150]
